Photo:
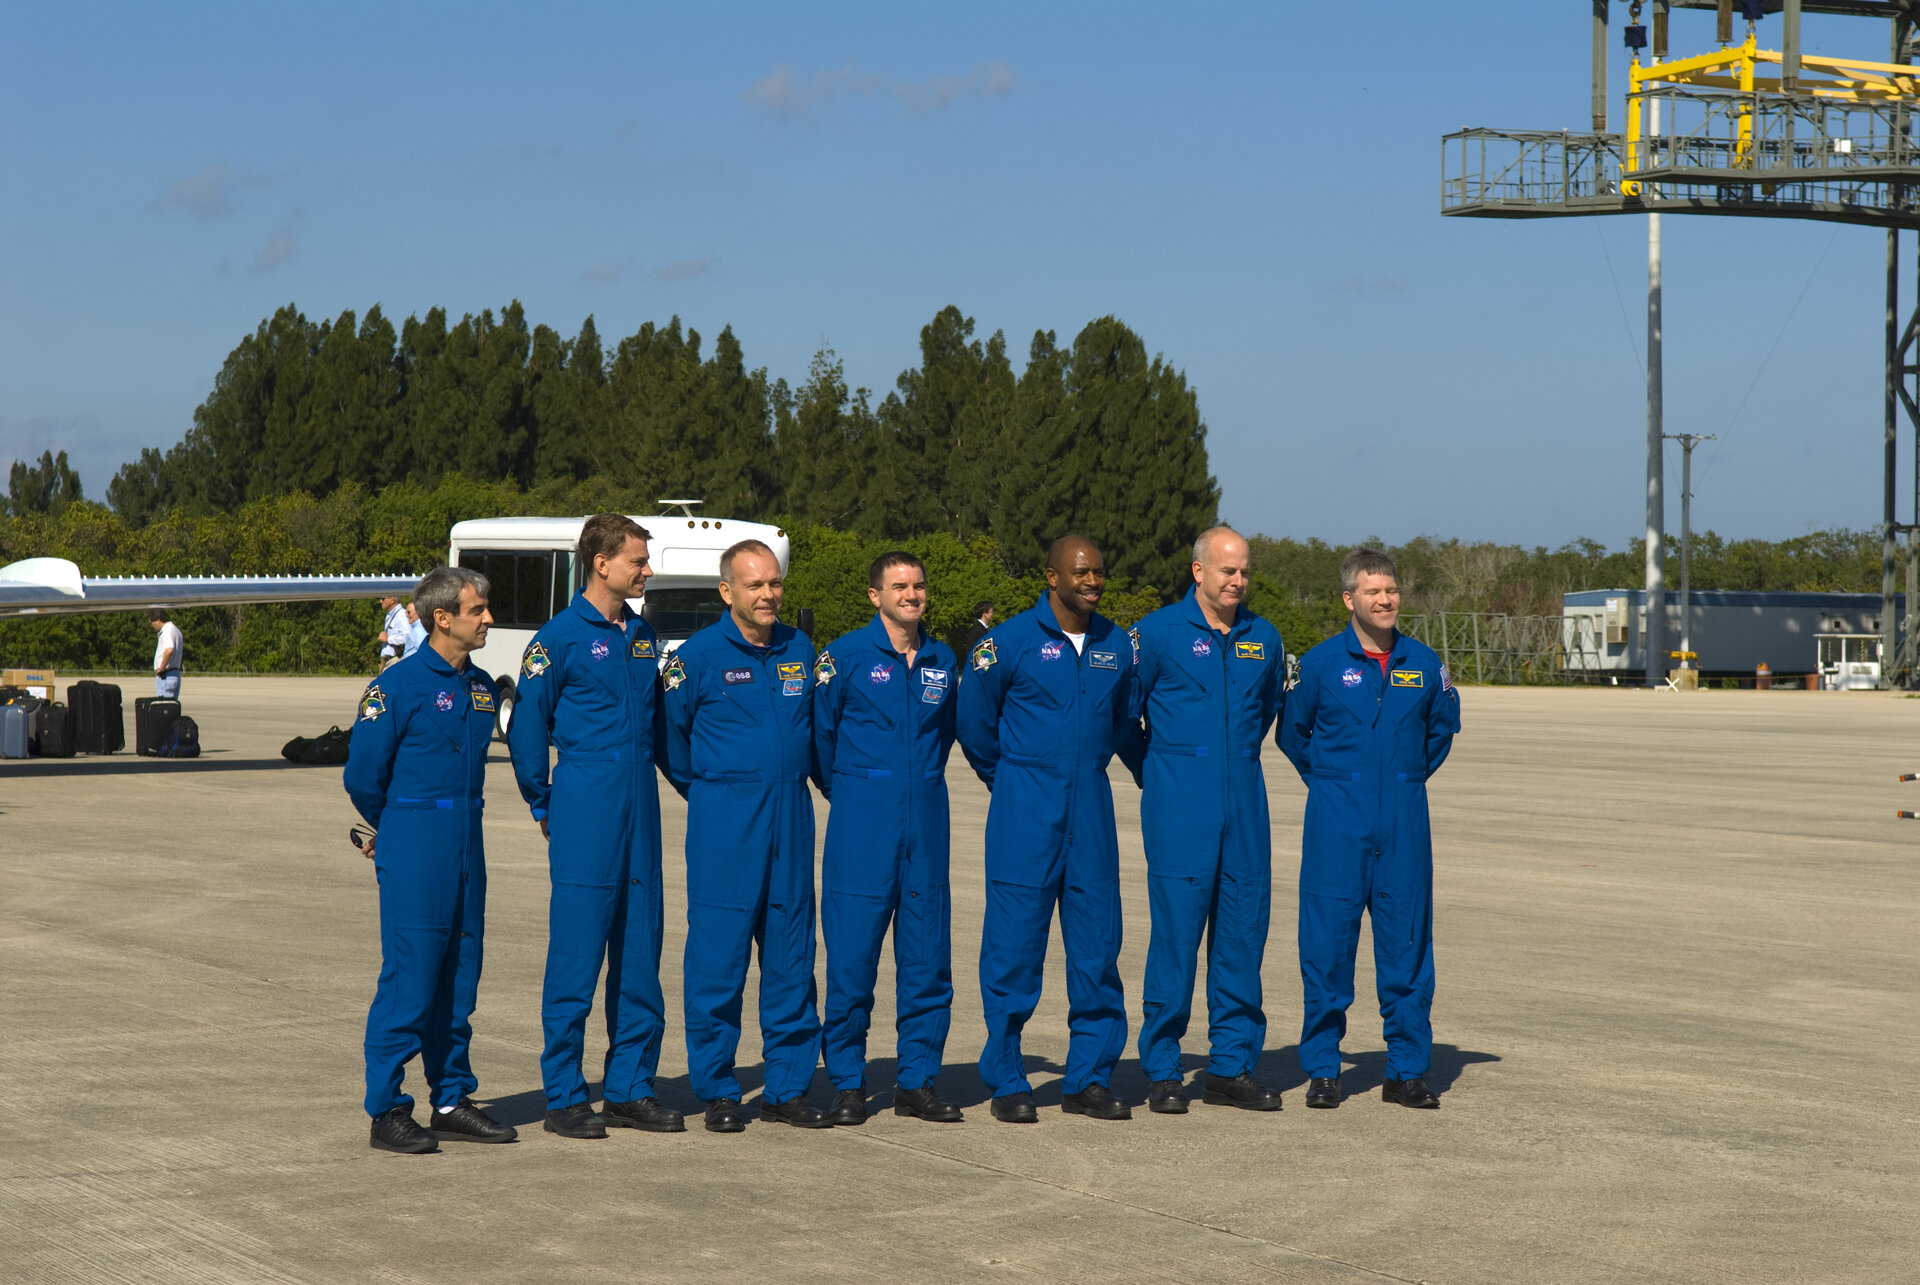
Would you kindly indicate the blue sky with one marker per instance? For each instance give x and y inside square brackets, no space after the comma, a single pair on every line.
[1253,188]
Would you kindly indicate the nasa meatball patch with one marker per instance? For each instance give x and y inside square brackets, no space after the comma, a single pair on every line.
[1352,677]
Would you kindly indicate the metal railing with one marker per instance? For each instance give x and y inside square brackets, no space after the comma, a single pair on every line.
[1483,647]
[1716,153]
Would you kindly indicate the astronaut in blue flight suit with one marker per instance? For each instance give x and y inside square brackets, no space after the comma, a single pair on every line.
[739,748]
[1210,679]
[1373,716]
[1043,707]
[416,768]
[589,685]
[883,726]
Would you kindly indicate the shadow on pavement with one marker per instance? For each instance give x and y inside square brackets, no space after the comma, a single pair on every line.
[128,764]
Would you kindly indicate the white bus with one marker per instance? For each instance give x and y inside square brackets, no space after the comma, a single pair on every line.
[531,564]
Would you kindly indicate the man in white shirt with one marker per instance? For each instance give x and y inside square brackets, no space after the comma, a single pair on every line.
[393,635]
[416,633]
[169,655]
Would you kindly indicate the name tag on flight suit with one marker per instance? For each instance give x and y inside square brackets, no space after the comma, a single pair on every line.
[1409,678]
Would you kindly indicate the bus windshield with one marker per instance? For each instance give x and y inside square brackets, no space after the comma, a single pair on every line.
[680,613]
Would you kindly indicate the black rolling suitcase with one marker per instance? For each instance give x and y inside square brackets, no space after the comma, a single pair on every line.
[153,719]
[99,725]
[56,731]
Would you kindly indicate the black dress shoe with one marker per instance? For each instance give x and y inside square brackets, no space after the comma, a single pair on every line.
[798,1112]
[1167,1097]
[1323,1092]
[1241,1091]
[576,1121]
[468,1123]
[849,1107]
[644,1113]
[1097,1101]
[925,1103]
[1015,1108]
[395,1130]
[1410,1093]
[724,1116]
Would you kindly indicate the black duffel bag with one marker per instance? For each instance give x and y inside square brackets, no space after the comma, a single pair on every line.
[329,749]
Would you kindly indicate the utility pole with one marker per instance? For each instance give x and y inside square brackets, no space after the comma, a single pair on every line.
[1687,442]
[1654,636]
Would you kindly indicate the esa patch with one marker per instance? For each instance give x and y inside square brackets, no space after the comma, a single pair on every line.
[1352,677]
[643,649]
[791,669]
[1103,659]
[1408,678]
[373,704]
[823,670]
[984,656]
[674,674]
[1202,648]
[535,662]
[1052,649]
[1250,650]
[443,701]
[793,686]
[734,677]
[599,649]
[880,674]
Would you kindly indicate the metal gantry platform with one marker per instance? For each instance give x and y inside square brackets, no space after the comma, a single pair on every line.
[1739,131]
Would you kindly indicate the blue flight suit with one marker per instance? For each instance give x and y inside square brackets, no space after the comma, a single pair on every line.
[591,688]
[1207,699]
[882,731]
[1039,723]
[1365,745]
[739,749]
[416,770]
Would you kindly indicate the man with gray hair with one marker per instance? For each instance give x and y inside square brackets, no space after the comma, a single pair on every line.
[1373,716]
[1209,681]
[416,770]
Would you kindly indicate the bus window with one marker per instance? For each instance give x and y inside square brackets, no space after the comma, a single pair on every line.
[563,581]
[680,613]
[522,585]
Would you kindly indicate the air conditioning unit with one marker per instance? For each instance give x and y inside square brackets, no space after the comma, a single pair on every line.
[1617,621]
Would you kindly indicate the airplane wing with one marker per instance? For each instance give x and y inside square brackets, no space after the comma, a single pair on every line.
[54,586]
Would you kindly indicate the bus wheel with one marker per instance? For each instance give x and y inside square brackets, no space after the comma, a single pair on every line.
[503,711]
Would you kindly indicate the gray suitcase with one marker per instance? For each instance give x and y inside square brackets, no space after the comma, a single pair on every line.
[16,731]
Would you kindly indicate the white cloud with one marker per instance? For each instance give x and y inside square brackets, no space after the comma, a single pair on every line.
[280,246]
[603,274]
[790,97]
[683,269]
[208,193]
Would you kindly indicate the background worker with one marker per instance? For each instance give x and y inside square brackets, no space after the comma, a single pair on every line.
[739,748]
[416,770]
[1043,710]
[1373,716]
[169,655]
[982,622]
[883,726]
[1210,679]
[590,685]
[393,634]
[416,632]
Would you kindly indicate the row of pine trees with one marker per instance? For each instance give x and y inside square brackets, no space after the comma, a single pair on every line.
[1094,436]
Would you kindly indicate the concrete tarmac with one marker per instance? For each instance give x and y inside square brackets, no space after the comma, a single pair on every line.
[1677,997]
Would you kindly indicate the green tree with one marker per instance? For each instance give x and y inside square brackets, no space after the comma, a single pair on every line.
[47,487]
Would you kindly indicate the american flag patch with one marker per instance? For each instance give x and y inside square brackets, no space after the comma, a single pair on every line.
[1446,680]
